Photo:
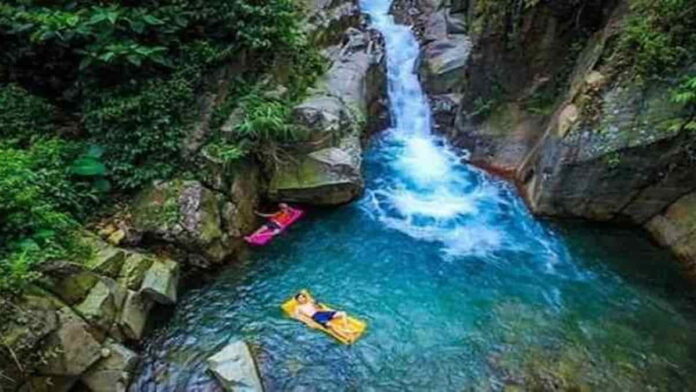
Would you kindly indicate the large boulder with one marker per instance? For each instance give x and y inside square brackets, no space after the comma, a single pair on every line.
[326,170]
[183,213]
[328,176]
[442,64]
[234,368]
[627,162]
[113,372]
[676,228]
[71,348]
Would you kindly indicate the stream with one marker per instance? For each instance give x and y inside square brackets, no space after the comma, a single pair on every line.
[462,288]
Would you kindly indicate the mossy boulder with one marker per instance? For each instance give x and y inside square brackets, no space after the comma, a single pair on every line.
[133,270]
[183,213]
[71,282]
[71,348]
[105,259]
[327,169]
[326,177]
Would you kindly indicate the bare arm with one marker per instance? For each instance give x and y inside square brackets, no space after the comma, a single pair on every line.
[261,214]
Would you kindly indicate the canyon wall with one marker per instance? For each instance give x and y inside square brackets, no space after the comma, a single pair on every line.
[536,91]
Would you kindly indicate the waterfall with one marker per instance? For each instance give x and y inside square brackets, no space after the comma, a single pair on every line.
[424,190]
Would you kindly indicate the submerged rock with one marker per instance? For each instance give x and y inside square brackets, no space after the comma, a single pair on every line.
[234,368]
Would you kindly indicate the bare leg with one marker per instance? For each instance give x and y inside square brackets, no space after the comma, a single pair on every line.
[341,318]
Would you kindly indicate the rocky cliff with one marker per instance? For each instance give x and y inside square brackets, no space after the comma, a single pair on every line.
[536,91]
[79,328]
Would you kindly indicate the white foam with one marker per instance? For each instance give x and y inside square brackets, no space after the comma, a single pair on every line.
[427,193]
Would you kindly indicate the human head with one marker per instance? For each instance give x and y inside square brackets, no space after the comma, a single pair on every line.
[283,206]
[301,298]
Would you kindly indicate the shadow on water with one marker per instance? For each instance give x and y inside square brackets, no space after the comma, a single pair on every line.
[461,287]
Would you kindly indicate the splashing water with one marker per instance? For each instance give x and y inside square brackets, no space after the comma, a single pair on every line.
[461,287]
[429,194]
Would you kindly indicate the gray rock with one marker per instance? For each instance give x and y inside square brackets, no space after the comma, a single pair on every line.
[435,27]
[133,271]
[183,213]
[676,228]
[456,22]
[134,314]
[100,307]
[113,372]
[325,177]
[442,64]
[161,282]
[234,368]
[71,349]
[326,170]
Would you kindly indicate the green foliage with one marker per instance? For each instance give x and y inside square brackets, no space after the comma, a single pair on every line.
[23,117]
[141,127]
[267,120]
[128,38]
[126,77]
[685,93]
[658,36]
[40,202]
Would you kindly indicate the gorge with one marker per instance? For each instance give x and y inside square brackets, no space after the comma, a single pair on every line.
[439,138]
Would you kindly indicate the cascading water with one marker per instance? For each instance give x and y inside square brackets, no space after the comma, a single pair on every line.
[462,288]
[428,193]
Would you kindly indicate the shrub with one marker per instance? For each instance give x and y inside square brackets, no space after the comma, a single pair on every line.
[23,117]
[658,37]
[41,201]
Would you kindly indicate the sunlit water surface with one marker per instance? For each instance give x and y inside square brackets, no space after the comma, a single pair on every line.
[462,288]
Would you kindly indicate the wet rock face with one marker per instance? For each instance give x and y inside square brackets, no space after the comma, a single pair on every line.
[537,97]
[327,169]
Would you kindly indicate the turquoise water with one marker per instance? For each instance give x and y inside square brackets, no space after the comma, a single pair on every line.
[462,288]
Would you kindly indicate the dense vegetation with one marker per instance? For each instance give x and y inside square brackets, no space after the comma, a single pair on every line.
[657,42]
[96,98]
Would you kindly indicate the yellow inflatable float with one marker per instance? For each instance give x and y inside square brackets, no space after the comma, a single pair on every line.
[345,331]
